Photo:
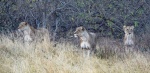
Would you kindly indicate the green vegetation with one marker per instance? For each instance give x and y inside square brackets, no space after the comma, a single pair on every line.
[107,15]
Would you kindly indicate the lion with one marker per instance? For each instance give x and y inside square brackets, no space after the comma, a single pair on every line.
[87,40]
[129,39]
[30,33]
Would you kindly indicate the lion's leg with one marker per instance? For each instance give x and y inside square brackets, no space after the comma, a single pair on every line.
[126,49]
[88,52]
[129,49]
[93,50]
[83,52]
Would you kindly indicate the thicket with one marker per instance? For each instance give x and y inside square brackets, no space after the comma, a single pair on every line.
[105,17]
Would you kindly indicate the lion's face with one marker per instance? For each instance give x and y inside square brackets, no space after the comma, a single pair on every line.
[23,26]
[128,29]
[79,31]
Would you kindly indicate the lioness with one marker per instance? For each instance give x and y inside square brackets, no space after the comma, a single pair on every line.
[129,36]
[87,40]
[30,33]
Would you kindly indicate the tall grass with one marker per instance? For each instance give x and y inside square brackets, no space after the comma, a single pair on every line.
[17,57]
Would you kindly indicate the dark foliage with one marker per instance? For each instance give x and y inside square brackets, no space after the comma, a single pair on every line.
[105,17]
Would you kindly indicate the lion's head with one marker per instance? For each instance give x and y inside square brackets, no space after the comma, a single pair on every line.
[79,31]
[128,29]
[23,26]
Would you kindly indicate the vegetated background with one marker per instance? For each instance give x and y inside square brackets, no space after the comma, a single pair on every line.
[61,17]
[105,17]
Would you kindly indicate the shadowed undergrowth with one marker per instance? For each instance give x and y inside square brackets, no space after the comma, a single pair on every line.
[16,57]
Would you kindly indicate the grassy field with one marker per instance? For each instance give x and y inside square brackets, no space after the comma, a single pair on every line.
[17,57]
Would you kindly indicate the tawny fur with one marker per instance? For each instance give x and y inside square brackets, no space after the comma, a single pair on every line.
[31,34]
[87,39]
[129,39]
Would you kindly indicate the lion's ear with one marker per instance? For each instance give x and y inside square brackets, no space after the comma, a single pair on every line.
[83,28]
[124,27]
[26,23]
[132,27]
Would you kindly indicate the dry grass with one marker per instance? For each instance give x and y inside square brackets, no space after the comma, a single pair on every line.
[16,57]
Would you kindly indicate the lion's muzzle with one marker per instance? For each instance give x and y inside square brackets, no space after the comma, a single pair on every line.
[75,35]
[19,30]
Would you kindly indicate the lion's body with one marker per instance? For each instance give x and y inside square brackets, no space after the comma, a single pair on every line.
[129,39]
[129,35]
[31,34]
[87,39]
